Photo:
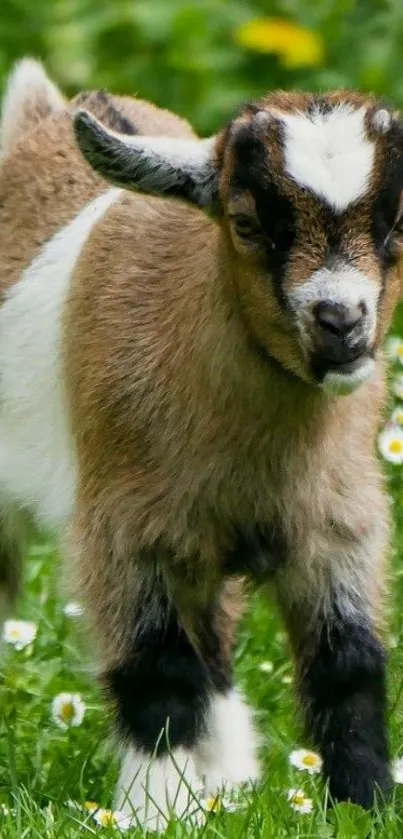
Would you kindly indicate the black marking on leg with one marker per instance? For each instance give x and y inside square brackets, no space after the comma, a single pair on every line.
[258,552]
[165,684]
[344,690]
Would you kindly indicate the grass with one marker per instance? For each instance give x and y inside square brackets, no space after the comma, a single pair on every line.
[43,766]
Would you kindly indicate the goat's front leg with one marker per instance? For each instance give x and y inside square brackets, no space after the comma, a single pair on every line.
[331,607]
[167,669]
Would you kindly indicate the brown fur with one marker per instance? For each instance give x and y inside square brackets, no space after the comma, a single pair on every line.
[44,180]
[13,532]
[251,447]
[186,431]
[63,184]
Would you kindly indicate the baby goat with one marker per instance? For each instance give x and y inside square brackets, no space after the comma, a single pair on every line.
[190,385]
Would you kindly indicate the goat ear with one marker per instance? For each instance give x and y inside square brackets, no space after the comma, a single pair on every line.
[157,165]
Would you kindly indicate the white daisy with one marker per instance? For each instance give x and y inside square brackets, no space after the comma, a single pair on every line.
[73,609]
[212,804]
[394,348]
[287,680]
[299,801]
[397,386]
[390,444]
[311,762]
[19,633]
[68,710]
[397,770]
[49,815]
[397,415]
[219,802]
[113,818]
[266,666]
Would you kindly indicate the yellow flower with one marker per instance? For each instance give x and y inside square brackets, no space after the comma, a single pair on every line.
[295,45]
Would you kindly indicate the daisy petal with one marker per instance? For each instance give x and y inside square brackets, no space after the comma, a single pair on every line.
[19,633]
[113,818]
[299,801]
[68,710]
[304,759]
[73,609]
[390,444]
[266,666]
[397,770]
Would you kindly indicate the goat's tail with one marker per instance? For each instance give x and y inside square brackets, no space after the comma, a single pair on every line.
[29,98]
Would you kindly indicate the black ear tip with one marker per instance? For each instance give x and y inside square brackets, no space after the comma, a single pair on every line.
[84,121]
[90,134]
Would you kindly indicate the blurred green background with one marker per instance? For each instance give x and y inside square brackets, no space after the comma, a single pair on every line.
[201,58]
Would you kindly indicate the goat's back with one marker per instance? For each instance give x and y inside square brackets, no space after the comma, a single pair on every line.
[44,180]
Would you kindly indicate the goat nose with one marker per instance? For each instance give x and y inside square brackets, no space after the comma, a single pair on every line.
[338,319]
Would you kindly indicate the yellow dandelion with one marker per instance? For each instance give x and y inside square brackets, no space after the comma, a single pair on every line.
[295,45]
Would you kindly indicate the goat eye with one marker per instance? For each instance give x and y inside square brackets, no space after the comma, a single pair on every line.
[246,226]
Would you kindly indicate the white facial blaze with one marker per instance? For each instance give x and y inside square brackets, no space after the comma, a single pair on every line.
[329,153]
